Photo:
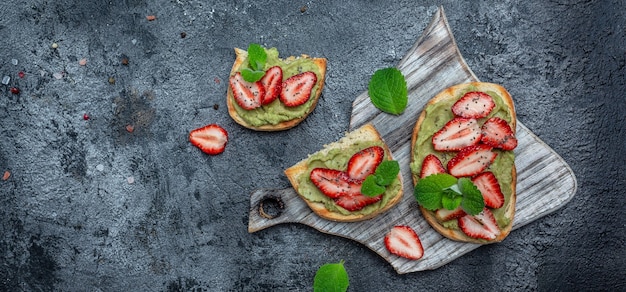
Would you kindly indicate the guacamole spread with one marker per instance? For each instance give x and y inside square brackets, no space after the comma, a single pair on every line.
[276,112]
[437,115]
[338,159]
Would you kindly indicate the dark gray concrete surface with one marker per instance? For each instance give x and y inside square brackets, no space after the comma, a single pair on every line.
[72,221]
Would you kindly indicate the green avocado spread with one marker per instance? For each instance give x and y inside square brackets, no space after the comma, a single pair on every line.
[437,115]
[338,159]
[276,112]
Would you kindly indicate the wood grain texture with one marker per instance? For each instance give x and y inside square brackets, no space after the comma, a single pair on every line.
[544,183]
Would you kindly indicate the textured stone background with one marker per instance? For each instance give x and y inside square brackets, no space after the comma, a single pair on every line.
[70,220]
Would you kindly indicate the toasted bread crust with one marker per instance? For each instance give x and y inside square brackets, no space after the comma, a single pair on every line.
[241,56]
[368,132]
[453,93]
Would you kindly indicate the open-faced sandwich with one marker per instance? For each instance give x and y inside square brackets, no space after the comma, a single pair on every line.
[352,179]
[267,93]
[462,162]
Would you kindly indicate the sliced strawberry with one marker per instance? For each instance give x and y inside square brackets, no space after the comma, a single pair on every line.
[457,134]
[474,105]
[431,165]
[355,202]
[471,160]
[444,214]
[402,241]
[497,133]
[273,83]
[247,95]
[482,226]
[488,185]
[334,183]
[211,139]
[364,162]
[297,89]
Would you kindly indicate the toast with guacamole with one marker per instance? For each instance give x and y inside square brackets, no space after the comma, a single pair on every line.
[463,165]
[349,180]
[267,93]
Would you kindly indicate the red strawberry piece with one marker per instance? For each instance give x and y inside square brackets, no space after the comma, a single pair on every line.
[444,214]
[355,202]
[273,83]
[402,241]
[474,105]
[488,185]
[297,89]
[247,95]
[431,165]
[364,162]
[483,225]
[334,183]
[471,160]
[457,134]
[497,133]
[211,139]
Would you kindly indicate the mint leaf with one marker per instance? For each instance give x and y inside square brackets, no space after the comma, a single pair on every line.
[473,202]
[387,90]
[370,187]
[256,57]
[251,76]
[430,190]
[387,171]
[331,277]
[451,200]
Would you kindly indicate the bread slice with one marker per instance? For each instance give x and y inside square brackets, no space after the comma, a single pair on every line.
[234,110]
[351,143]
[449,96]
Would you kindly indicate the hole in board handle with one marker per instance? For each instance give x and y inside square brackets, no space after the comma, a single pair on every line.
[271,207]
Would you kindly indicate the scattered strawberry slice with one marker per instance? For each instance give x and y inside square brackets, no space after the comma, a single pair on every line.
[488,185]
[431,165]
[474,105]
[364,162]
[483,225]
[273,83]
[457,134]
[334,183]
[444,214]
[211,139]
[297,89]
[402,241]
[247,95]
[471,160]
[497,133]
[355,202]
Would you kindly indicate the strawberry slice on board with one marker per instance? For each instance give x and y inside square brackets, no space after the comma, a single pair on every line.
[444,214]
[354,202]
[211,139]
[482,226]
[273,83]
[334,183]
[457,134]
[431,165]
[488,185]
[402,241]
[471,160]
[497,133]
[248,95]
[474,105]
[297,89]
[364,162]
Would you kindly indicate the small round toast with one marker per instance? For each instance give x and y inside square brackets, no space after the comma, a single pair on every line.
[452,94]
[241,56]
[366,133]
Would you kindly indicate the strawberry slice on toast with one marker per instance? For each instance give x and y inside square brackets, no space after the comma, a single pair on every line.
[481,226]
[489,187]
[354,202]
[248,95]
[457,134]
[402,241]
[474,104]
[334,183]
[364,162]
[471,161]
[273,83]
[297,89]
[497,133]
[431,165]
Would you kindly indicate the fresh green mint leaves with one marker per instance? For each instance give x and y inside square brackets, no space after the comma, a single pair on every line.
[256,59]
[446,191]
[387,90]
[331,277]
[385,173]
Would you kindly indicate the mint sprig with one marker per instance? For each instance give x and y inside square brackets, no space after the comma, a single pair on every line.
[446,191]
[388,91]
[256,60]
[375,184]
[331,277]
